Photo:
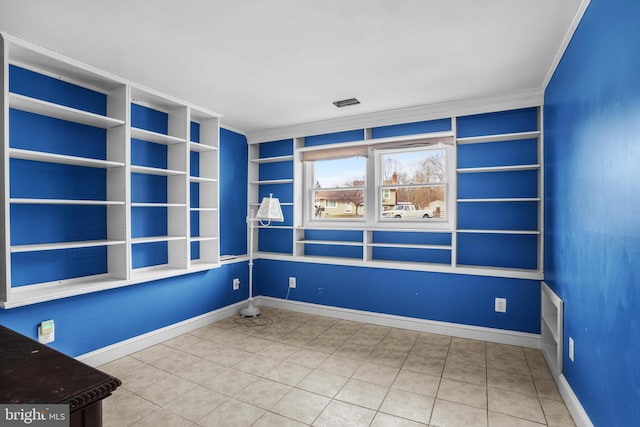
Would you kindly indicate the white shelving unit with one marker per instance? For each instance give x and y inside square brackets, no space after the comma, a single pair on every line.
[551,328]
[119,95]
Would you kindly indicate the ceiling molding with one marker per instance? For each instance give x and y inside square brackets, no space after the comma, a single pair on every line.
[584,4]
[513,100]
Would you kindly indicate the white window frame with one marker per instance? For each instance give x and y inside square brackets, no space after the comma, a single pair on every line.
[372,189]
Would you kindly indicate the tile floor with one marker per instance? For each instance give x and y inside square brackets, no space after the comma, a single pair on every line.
[293,369]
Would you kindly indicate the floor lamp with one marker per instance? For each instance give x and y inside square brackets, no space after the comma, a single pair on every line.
[269,211]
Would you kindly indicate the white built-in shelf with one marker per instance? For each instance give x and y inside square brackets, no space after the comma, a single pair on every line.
[409,246]
[329,242]
[498,138]
[201,179]
[57,111]
[499,168]
[64,245]
[273,181]
[274,159]
[158,205]
[40,156]
[281,204]
[203,209]
[152,239]
[158,138]
[155,171]
[196,146]
[551,336]
[202,239]
[501,199]
[24,201]
[490,231]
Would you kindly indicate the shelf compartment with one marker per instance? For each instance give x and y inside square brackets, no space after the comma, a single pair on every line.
[158,138]
[64,245]
[24,201]
[499,168]
[274,159]
[155,171]
[199,147]
[49,109]
[39,156]
[499,137]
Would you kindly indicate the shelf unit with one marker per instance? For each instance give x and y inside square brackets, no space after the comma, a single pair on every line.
[551,328]
[70,151]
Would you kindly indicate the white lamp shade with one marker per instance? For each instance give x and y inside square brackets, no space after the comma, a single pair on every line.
[270,210]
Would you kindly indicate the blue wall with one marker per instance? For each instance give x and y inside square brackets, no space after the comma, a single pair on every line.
[88,322]
[443,297]
[592,231]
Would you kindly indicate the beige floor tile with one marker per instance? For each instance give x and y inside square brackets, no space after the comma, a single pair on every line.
[377,374]
[435,339]
[262,393]
[201,371]
[204,348]
[501,420]
[301,405]
[309,358]
[270,419]
[164,418]
[413,406]
[429,350]
[468,344]
[251,344]
[232,413]
[229,338]
[344,414]
[362,393]
[142,377]
[512,381]
[509,362]
[354,350]
[387,357]
[257,364]
[125,408]
[547,389]
[450,414]
[153,353]
[461,392]
[297,338]
[417,383]
[208,332]
[122,366]
[182,342]
[288,373]
[196,403]
[423,365]
[467,355]
[163,392]
[325,345]
[278,351]
[323,383]
[340,365]
[461,371]
[230,381]
[228,356]
[556,413]
[176,361]
[385,420]
[516,404]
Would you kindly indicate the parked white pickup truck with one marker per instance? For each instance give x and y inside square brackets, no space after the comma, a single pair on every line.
[407,210]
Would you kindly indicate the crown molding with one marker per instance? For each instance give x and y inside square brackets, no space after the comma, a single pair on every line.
[508,101]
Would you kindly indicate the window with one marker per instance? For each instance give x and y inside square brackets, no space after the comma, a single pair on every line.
[392,183]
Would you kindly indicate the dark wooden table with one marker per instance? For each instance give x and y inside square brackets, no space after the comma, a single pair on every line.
[32,373]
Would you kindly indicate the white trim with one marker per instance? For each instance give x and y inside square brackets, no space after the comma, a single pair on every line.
[574,406]
[232,129]
[501,336]
[123,348]
[582,8]
[460,107]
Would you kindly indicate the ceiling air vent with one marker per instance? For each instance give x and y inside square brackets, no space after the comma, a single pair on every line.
[346,102]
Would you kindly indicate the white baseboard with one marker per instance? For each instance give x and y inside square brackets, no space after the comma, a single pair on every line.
[123,348]
[501,336]
[574,406]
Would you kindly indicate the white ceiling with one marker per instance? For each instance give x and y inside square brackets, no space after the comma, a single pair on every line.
[268,64]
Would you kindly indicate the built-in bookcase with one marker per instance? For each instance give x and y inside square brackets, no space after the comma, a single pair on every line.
[497,186]
[97,184]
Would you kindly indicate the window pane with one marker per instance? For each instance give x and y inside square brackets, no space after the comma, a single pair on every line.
[339,204]
[340,173]
[414,167]
[410,203]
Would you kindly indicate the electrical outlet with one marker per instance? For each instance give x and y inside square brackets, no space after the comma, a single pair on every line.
[571,349]
[501,305]
[236,284]
[292,282]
